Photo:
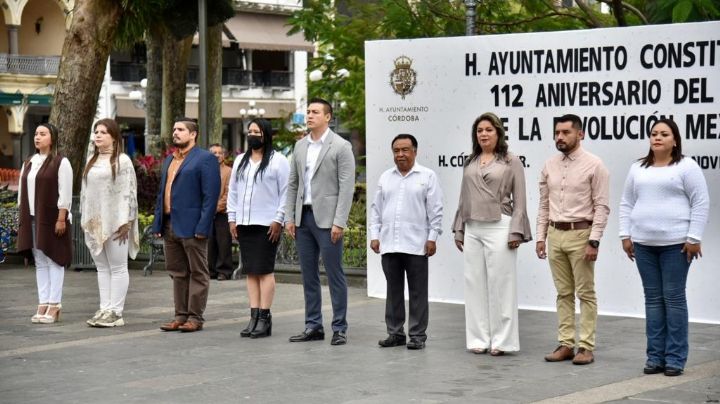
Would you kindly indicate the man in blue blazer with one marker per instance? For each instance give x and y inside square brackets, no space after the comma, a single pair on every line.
[184,213]
[319,195]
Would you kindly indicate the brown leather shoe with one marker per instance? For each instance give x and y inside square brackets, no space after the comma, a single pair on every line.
[171,326]
[561,353]
[190,326]
[583,357]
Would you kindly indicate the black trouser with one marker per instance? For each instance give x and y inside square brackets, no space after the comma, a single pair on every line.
[395,266]
[220,247]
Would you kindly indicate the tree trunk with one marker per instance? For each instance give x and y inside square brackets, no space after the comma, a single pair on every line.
[176,54]
[85,53]
[214,83]
[153,92]
[619,13]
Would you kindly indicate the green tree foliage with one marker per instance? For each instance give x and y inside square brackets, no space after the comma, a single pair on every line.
[342,27]
[667,11]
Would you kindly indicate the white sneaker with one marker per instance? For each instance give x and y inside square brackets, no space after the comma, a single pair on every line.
[110,319]
[98,314]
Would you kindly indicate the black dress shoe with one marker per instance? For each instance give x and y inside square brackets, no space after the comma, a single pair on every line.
[653,369]
[339,338]
[309,335]
[223,277]
[392,340]
[673,371]
[415,344]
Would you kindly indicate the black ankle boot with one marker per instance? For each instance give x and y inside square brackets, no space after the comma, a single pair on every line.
[264,325]
[252,323]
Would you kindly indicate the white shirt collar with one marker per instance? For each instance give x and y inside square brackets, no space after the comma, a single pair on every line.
[414,169]
[322,138]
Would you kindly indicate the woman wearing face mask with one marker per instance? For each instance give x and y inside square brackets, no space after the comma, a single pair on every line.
[258,184]
[108,203]
[45,197]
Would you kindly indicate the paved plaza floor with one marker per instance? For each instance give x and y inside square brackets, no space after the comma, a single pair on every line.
[70,362]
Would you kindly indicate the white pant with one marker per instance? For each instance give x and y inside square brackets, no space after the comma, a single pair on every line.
[112,275]
[50,276]
[491,314]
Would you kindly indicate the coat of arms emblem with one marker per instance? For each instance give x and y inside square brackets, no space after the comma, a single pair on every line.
[402,79]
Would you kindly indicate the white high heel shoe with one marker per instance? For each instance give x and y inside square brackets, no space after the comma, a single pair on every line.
[41,310]
[52,314]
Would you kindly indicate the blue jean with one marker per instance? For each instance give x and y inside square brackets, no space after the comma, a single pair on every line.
[664,271]
[313,242]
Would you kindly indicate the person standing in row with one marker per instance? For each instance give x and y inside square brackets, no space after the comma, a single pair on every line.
[319,196]
[490,223]
[573,212]
[663,212]
[405,222]
[220,262]
[256,211]
[184,213]
[109,219]
[45,198]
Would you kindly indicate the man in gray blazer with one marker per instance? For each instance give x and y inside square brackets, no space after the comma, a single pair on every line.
[319,194]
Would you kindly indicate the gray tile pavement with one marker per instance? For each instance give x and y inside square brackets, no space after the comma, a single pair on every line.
[70,362]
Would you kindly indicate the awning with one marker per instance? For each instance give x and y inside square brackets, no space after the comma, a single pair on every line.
[225,39]
[38,99]
[11,99]
[266,32]
[32,99]
[127,108]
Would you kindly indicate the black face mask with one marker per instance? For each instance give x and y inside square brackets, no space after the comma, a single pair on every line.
[255,142]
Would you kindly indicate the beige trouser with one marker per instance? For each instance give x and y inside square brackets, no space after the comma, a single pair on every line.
[573,275]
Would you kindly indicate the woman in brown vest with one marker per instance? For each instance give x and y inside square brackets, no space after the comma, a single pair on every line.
[44,197]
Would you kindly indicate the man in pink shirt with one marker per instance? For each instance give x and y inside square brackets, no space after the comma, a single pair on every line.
[573,212]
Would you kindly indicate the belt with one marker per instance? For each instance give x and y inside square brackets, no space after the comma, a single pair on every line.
[307,208]
[581,225]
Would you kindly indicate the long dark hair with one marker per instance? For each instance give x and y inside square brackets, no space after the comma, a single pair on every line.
[114,131]
[268,151]
[501,148]
[676,154]
[54,137]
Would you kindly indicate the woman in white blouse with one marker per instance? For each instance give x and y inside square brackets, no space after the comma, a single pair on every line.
[663,212]
[108,206]
[45,197]
[258,184]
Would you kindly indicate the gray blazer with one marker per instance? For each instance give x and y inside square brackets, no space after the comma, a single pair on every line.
[333,183]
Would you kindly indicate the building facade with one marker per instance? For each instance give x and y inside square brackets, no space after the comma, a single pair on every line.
[263,73]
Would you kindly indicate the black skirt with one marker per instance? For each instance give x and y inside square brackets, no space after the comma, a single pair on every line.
[257,253]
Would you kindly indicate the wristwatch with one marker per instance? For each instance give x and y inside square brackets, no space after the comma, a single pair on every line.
[594,243]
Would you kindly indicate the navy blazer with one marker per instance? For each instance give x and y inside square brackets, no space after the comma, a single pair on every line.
[195,193]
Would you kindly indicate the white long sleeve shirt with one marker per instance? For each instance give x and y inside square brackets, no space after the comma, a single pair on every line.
[664,205]
[65,183]
[407,210]
[313,152]
[260,202]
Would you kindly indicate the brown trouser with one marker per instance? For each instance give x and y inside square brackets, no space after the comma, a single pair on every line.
[186,262]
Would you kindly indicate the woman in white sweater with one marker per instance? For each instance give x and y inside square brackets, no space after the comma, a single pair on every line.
[663,212]
[109,208]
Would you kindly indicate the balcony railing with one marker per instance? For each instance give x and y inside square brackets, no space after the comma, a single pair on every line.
[246,78]
[231,76]
[23,64]
[132,72]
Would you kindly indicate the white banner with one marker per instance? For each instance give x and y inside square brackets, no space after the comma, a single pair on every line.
[619,80]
